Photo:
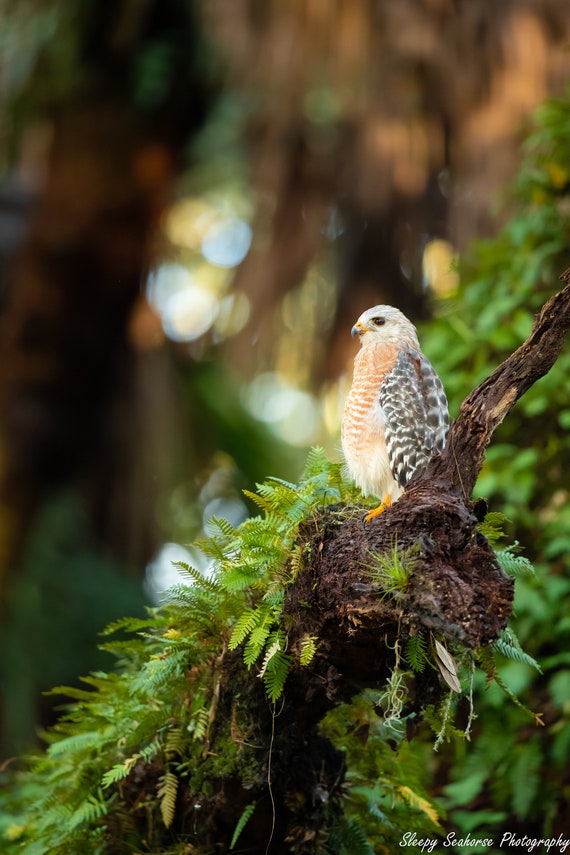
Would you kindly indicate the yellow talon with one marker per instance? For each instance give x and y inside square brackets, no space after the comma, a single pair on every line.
[375,512]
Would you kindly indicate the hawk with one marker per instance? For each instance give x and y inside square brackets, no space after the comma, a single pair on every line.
[395,417]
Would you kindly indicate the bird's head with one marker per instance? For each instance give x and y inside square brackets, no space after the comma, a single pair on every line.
[386,325]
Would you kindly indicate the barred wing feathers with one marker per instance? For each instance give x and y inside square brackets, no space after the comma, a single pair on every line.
[415,412]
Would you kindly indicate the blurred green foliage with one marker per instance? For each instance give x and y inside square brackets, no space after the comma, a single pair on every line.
[65,591]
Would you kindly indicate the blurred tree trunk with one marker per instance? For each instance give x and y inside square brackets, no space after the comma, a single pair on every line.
[67,334]
[73,449]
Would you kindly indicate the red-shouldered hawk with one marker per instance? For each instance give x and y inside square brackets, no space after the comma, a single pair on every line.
[395,417]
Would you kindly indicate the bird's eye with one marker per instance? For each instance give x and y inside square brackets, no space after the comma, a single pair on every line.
[378,322]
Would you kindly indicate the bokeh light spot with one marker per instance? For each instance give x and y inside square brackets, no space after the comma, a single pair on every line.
[189,314]
[439,270]
[227,242]
[164,282]
[161,573]
[292,413]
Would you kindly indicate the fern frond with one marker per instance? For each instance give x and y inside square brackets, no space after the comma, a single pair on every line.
[272,650]
[513,564]
[261,501]
[509,645]
[275,595]
[308,649]
[493,526]
[276,674]
[91,740]
[276,497]
[223,531]
[220,537]
[256,643]
[160,670]
[120,771]
[130,624]
[486,661]
[239,577]
[275,666]
[73,692]
[290,487]
[124,647]
[181,595]
[197,577]
[241,823]
[166,792]
[149,751]
[335,478]
[198,726]
[352,838]
[296,560]
[246,623]
[174,743]
[89,811]
[317,463]
[261,531]
[415,653]
[407,795]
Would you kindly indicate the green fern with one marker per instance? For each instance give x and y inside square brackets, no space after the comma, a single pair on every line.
[120,771]
[131,624]
[241,823]
[89,811]
[352,838]
[166,792]
[308,649]
[174,743]
[75,743]
[275,666]
[246,623]
[513,564]
[415,652]
[198,724]
[257,639]
[493,526]
[316,463]
[196,577]
[239,577]
[509,645]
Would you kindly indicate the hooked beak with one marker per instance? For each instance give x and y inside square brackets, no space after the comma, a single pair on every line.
[356,330]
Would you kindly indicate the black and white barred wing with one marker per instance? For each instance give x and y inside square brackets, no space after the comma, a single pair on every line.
[416,416]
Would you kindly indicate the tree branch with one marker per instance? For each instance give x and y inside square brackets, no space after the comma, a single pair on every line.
[486,407]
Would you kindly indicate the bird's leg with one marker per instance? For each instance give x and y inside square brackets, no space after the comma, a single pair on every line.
[375,512]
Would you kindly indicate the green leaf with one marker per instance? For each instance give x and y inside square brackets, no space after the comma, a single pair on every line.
[242,822]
